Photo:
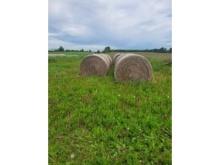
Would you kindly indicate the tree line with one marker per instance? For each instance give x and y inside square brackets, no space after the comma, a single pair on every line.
[108,49]
[160,50]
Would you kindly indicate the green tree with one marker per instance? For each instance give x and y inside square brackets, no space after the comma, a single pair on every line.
[107,49]
[170,50]
[60,49]
[162,50]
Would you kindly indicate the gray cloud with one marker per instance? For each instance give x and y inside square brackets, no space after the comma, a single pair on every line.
[94,24]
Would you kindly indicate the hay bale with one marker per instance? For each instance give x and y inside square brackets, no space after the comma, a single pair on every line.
[95,64]
[115,57]
[132,67]
[109,59]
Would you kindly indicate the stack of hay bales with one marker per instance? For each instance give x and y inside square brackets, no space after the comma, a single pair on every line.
[95,64]
[129,66]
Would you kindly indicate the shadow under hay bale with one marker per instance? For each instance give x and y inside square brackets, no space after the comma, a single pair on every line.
[130,66]
[95,64]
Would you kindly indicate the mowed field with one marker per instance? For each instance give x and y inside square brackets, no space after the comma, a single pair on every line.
[96,120]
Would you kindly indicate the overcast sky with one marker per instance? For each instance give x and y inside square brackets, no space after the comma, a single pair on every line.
[94,24]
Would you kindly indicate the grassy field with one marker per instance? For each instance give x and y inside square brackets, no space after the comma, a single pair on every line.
[95,120]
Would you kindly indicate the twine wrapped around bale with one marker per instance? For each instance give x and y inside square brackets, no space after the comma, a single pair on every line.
[95,64]
[132,67]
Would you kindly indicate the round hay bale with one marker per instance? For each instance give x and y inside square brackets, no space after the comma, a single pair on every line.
[95,64]
[132,67]
[109,59]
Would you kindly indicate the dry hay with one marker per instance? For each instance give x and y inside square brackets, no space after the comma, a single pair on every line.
[115,57]
[95,64]
[130,66]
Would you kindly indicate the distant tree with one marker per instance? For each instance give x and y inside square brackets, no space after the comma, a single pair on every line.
[107,49]
[90,51]
[162,50]
[60,49]
[82,50]
[170,50]
[98,51]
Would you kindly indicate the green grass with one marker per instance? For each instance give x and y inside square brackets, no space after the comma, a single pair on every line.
[95,120]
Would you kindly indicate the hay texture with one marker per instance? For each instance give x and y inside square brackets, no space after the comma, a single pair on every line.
[115,57]
[95,64]
[130,66]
